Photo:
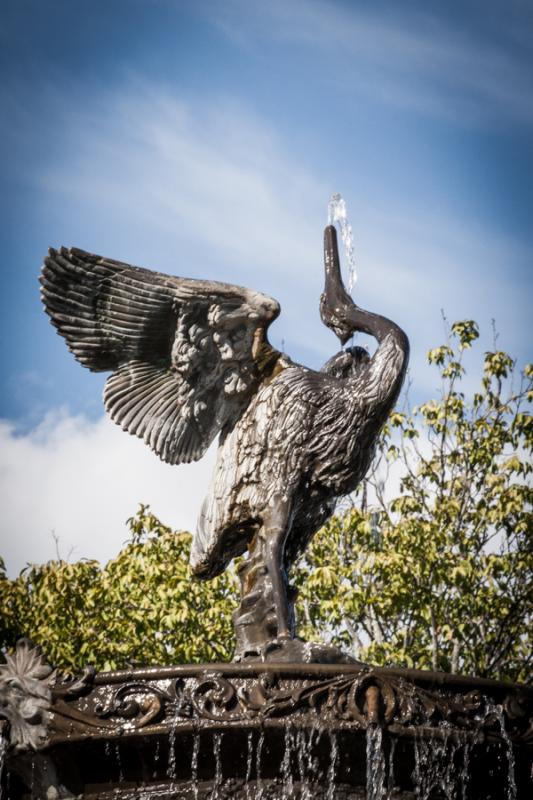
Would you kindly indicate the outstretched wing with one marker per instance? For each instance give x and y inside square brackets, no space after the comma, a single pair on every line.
[186,355]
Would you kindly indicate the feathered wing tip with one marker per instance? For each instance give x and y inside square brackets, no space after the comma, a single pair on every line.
[183,353]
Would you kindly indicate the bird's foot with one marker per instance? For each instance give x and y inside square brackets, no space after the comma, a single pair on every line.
[286,649]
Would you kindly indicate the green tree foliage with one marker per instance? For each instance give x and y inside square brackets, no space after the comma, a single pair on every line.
[437,574]
[441,575]
[140,608]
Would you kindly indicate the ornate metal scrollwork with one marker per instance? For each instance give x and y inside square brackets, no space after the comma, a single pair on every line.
[135,704]
[26,681]
[69,686]
[42,707]
[216,698]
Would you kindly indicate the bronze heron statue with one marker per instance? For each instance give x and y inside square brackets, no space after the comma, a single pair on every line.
[190,360]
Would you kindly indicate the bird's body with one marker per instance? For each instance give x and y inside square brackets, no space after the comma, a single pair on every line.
[308,436]
[190,360]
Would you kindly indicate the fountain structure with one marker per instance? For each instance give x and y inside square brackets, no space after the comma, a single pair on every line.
[287,719]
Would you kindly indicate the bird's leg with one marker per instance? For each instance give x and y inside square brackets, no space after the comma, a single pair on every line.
[265,613]
[276,523]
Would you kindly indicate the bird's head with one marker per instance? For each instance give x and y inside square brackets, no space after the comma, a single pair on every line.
[347,363]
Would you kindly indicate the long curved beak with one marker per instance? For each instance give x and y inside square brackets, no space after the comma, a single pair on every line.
[335,300]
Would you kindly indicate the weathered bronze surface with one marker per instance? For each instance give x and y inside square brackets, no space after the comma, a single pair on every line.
[190,360]
[230,728]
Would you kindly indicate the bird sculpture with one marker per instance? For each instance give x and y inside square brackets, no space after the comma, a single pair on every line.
[190,360]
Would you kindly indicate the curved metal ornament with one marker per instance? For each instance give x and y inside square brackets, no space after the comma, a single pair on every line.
[143,710]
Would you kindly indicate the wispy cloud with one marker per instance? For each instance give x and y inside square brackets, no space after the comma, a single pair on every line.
[404,56]
[215,193]
[79,481]
[202,189]
[209,170]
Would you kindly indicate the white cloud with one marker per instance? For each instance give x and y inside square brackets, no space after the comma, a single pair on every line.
[80,480]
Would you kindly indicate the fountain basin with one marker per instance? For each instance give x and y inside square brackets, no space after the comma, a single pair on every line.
[275,731]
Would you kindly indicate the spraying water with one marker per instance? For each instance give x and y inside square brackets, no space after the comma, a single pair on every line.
[337,214]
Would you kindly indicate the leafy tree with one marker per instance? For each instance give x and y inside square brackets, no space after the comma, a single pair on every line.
[438,575]
[140,608]
[441,575]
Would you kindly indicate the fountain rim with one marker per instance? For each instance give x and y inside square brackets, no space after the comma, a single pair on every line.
[425,678]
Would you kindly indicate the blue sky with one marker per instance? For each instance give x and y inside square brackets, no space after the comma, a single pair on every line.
[204,139]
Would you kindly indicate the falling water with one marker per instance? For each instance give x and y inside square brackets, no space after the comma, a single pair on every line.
[302,757]
[309,763]
[465,775]
[332,770]
[314,738]
[32,780]
[217,743]
[119,763]
[435,767]
[337,213]
[258,754]
[286,773]
[194,763]
[156,758]
[375,763]
[390,777]
[249,760]
[3,751]
[497,710]
[171,767]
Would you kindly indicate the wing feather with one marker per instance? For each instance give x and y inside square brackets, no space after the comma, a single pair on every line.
[183,353]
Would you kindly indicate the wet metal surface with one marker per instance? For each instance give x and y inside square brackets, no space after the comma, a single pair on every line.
[282,730]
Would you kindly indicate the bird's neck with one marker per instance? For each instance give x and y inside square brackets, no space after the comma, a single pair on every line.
[382,377]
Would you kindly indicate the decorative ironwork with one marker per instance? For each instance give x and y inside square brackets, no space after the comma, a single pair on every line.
[26,681]
[351,699]
[145,709]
